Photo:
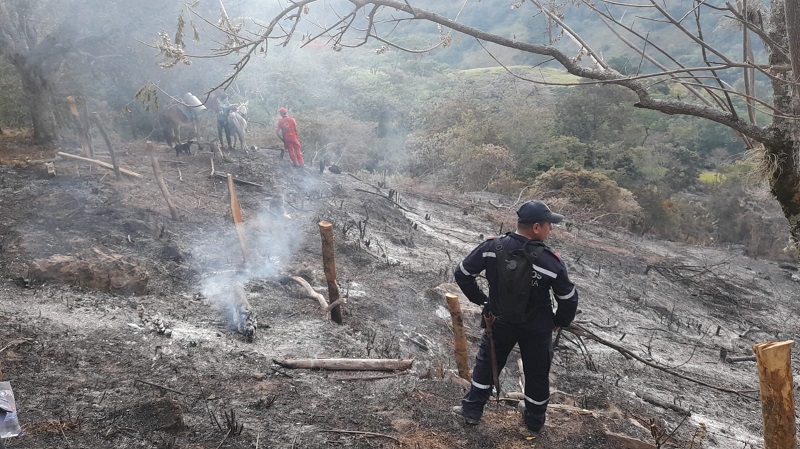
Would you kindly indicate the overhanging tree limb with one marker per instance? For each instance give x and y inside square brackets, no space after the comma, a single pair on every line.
[780,29]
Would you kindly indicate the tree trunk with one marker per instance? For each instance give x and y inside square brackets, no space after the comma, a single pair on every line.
[784,182]
[792,17]
[781,152]
[40,102]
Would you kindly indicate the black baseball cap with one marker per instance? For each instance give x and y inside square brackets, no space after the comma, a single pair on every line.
[537,212]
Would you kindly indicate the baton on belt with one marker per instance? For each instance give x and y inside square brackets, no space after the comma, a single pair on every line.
[489,320]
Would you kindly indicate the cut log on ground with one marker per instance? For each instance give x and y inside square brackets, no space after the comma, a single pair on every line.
[100,163]
[347,364]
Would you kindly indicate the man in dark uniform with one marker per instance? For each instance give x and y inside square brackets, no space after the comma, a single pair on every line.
[225,108]
[534,223]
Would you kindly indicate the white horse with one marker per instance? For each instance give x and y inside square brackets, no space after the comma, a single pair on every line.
[234,123]
[237,125]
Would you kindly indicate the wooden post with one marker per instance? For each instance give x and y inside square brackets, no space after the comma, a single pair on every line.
[459,336]
[777,393]
[161,184]
[329,264]
[114,163]
[238,221]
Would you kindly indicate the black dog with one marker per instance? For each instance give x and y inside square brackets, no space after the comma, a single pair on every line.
[185,147]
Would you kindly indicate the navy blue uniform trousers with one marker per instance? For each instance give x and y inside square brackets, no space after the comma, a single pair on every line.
[535,349]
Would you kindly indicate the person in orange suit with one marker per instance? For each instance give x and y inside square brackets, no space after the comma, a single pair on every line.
[287,132]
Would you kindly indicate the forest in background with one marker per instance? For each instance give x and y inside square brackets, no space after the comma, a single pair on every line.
[452,119]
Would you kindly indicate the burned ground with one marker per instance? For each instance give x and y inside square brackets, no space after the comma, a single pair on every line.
[163,368]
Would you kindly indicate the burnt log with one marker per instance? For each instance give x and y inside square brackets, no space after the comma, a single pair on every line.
[347,364]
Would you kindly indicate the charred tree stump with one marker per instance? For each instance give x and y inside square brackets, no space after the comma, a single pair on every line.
[237,220]
[777,393]
[459,336]
[161,183]
[329,264]
[114,163]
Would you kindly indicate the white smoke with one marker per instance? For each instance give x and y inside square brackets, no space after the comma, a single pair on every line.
[274,234]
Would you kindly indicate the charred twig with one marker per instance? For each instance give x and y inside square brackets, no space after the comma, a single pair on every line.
[205,402]
[658,433]
[158,386]
[234,428]
[223,439]
[702,278]
[385,197]
[277,371]
[365,182]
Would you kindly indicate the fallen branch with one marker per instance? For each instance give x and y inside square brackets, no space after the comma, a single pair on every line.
[347,364]
[225,176]
[663,404]
[357,432]
[378,377]
[15,343]
[601,326]
[580,331]
[310,291]
[100,163]
[744,358]
[336,303]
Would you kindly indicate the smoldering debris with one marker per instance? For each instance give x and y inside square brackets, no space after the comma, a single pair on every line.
[155,323]
[241,317]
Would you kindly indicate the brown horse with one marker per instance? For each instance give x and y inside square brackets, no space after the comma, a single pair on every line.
[178,116]
[172,119]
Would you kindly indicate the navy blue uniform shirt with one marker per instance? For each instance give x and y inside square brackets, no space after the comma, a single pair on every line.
[550,271]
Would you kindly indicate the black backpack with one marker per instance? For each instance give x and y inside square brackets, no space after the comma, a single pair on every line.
[510,296]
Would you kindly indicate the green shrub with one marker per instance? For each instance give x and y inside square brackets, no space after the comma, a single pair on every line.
[587,195]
